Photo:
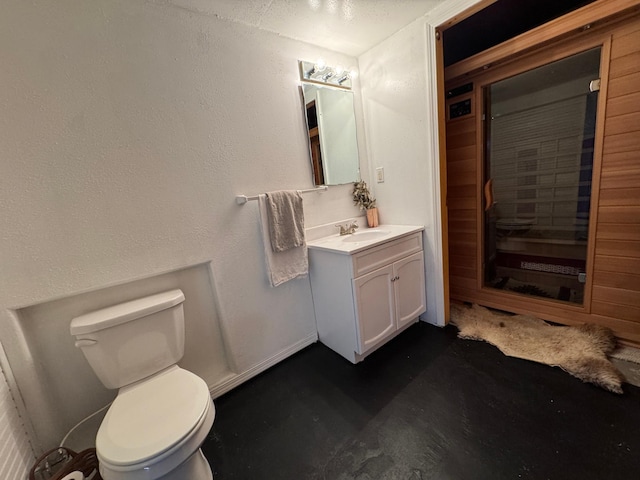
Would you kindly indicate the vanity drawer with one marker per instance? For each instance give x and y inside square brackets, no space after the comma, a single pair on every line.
[381,255]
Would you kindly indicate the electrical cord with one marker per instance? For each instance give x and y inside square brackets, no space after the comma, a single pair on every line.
[82,421]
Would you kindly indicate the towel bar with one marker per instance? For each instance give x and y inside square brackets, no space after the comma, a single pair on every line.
[242,199]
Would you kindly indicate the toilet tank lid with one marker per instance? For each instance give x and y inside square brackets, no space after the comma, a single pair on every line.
[125,312]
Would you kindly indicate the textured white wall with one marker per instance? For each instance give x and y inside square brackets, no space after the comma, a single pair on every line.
[398,82]
[400,137]
[127,127]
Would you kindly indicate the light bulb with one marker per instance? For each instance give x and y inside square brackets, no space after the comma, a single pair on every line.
[339,70]
[320,65]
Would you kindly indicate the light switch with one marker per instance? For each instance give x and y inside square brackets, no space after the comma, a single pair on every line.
[380,174]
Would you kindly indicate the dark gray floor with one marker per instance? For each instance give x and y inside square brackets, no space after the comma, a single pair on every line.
[425,406]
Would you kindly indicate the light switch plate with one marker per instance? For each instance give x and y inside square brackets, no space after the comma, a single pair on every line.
[380,174]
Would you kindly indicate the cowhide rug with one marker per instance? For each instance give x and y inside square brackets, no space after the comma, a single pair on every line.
[581,351]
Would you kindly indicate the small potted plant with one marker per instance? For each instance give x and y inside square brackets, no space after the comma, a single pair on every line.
[362,197]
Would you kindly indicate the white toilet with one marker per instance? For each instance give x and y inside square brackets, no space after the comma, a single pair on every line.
[162,414]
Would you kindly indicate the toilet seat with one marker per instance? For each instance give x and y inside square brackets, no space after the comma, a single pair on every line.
[132,439]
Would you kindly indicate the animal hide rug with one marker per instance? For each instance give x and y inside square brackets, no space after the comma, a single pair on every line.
[581,350]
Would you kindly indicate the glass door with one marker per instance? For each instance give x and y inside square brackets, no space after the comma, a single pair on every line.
[539,136]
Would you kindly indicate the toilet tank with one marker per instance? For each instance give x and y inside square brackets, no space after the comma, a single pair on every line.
[133,340]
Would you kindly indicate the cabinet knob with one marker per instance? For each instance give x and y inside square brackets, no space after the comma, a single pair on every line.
[395,278]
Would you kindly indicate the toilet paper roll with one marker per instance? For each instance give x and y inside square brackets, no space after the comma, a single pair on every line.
[74,476]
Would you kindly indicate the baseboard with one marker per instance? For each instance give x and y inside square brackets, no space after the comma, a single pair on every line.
[236,379]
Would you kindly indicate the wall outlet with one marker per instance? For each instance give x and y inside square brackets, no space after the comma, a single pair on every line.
[380,174]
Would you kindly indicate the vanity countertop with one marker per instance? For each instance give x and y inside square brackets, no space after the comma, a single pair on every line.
[362,239]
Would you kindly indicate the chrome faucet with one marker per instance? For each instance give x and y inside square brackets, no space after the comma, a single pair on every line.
[348,228]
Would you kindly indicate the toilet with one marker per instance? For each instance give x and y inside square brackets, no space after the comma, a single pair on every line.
[163,413]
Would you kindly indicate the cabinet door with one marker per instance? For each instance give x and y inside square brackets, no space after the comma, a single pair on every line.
[410,296]
[375,309]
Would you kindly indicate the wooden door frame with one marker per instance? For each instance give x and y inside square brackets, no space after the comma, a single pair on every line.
[596,14]
[549,55]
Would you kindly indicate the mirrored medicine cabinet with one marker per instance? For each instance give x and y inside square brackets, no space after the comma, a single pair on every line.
[331,124]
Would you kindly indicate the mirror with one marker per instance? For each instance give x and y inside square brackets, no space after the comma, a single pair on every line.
[331,127]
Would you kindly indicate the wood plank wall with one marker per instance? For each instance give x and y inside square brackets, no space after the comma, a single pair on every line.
[614,300]
[462,201]
[616,282]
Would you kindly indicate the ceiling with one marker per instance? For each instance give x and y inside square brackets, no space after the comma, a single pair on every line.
[347,26]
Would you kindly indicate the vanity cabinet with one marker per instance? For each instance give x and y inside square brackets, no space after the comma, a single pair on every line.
[364,299]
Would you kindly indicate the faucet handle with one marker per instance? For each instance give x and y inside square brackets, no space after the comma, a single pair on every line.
[343,230]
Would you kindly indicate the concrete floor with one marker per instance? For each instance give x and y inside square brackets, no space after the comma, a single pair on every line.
[426,406]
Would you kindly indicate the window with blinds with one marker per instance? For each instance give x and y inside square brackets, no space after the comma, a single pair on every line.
[536,166]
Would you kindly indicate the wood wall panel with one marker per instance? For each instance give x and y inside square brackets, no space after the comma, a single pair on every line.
[625,41]
[624,85]
[458,154]
[463,226]
[623,105]
[617,280]
[607,263]
[620,196]
[464,282]
[628,122]
[463,139]
[625,65]
[462,165]
[619,214]
[620,248]
[462,201]
[618,296]
[620,180]
[463,244]
[614,296]
[463,178]
[618,231]
[625,160]
[463,191]
[626,330]
[624,142]
[616,311]
[459,271]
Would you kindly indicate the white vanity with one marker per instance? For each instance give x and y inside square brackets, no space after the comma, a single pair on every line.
[367,287]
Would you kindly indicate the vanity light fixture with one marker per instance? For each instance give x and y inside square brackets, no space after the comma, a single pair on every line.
[327,76]
[317,67]
[320,72]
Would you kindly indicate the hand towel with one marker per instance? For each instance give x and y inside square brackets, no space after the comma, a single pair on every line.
[286,220]
[281,266]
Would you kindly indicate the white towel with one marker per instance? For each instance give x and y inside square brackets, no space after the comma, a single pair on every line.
[281,266]
[286,219]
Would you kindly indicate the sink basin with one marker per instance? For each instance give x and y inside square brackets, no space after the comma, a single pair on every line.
[359,241]
[365,236]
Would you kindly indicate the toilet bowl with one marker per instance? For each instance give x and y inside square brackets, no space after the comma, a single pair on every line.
[155,426]
[163,413]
